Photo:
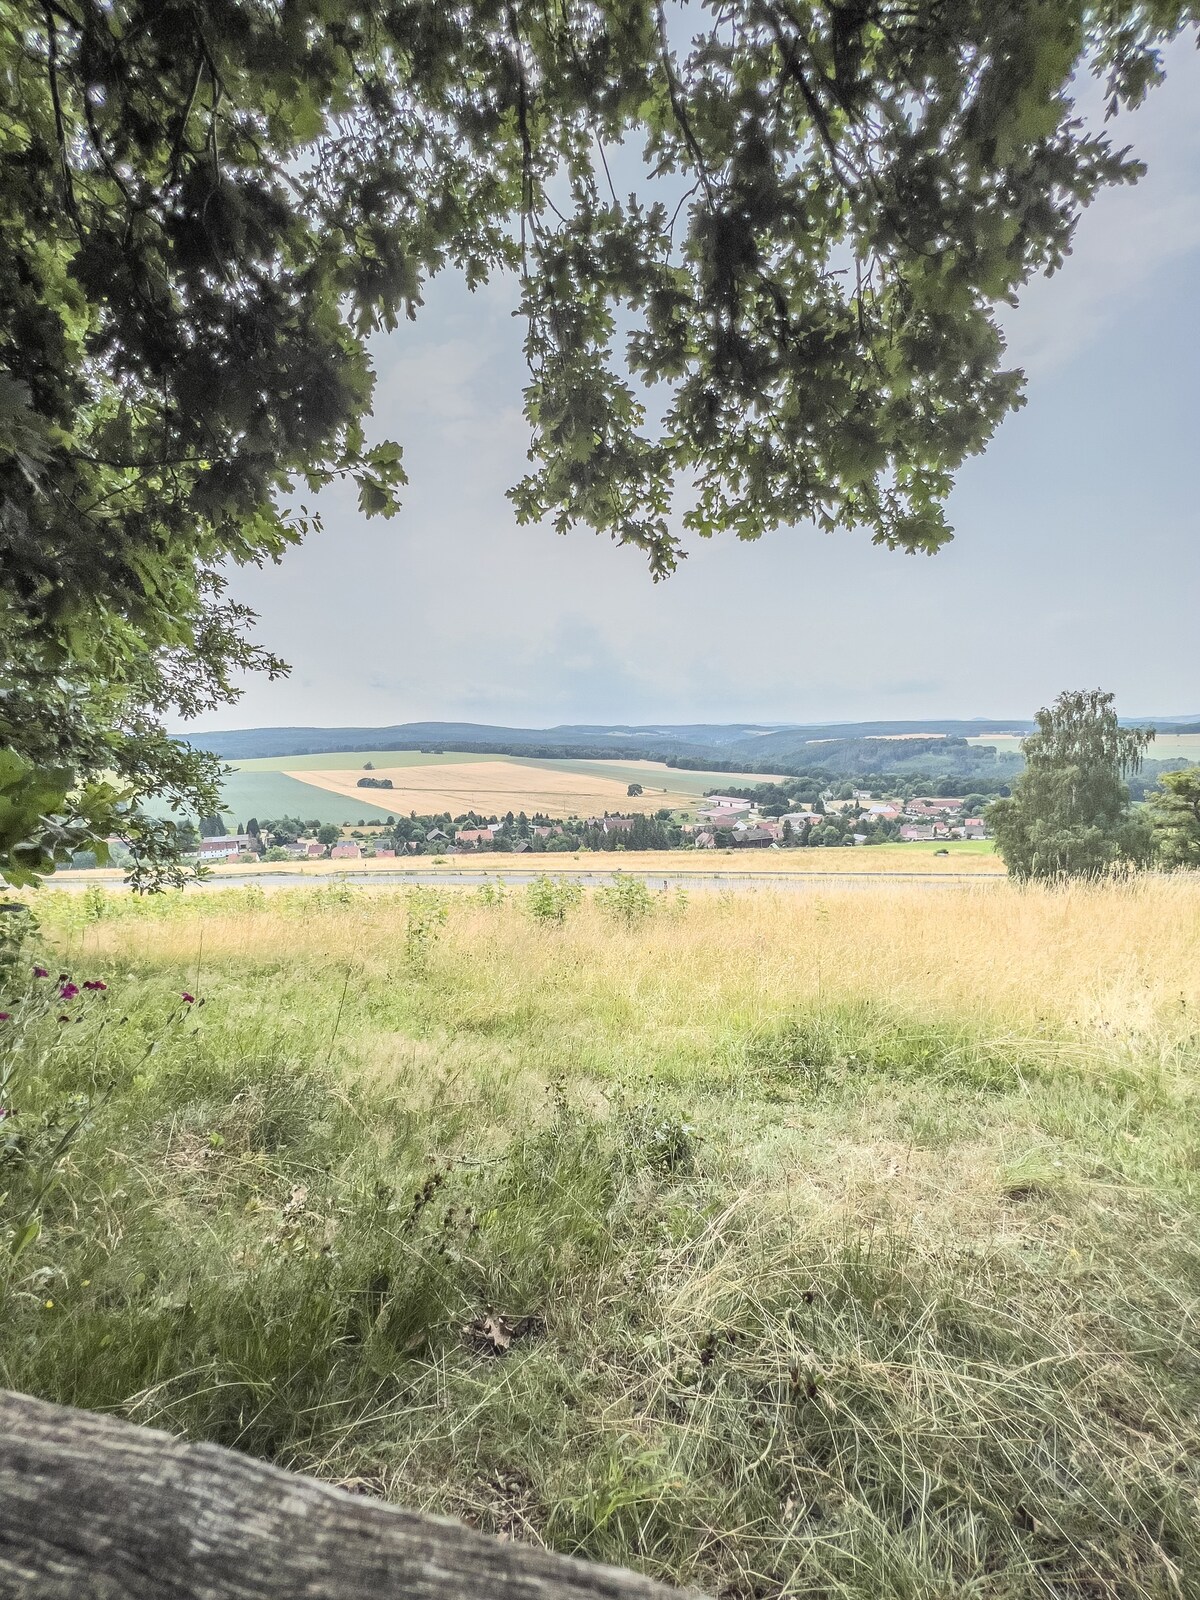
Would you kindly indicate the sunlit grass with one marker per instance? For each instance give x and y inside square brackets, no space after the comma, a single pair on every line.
[859,1229]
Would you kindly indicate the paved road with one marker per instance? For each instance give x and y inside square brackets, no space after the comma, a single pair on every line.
[466,877]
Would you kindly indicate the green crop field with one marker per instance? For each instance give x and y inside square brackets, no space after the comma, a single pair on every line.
[261,792]
[346,760]
[264,793]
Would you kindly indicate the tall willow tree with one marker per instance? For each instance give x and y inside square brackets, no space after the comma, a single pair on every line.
[207,206]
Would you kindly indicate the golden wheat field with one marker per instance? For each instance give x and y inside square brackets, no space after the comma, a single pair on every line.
[492,788]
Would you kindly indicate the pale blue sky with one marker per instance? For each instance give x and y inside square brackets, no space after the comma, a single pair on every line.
[1076,562]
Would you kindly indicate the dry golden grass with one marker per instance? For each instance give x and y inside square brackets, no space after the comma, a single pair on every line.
[837,1209]
[493,788]
[650,864]
[1110,961]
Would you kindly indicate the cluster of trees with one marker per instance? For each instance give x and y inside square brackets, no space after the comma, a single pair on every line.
[643,833]
[375,783]
[946,759]
[775,799]
[1070,813]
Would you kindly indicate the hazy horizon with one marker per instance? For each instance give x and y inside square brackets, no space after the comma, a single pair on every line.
[749,724]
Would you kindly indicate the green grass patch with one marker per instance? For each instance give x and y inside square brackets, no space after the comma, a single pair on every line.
[832,1299]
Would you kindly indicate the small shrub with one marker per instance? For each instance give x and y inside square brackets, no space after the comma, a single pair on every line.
[427,913]
[659,1138]
[549,899]
[18,926]
[95,903]
[626,899]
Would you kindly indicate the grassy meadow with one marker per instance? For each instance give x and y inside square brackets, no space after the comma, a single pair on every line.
[843,1244]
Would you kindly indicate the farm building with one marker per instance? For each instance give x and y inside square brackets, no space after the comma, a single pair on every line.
[225,848]
[752,839]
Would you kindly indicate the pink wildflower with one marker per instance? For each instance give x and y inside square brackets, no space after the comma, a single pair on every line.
[5,1016]
[189,999]
[68,991]
[41,972]
[95,983]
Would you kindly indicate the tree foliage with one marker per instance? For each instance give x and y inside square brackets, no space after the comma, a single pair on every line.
[1069,815]
[208,206]
[1175,813]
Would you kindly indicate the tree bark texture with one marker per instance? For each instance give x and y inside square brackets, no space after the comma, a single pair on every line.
[94,1508]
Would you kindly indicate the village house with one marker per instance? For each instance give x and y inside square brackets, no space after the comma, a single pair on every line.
[346,851]
[972,828]
[225,848]
[932,806]
[752,839]
[472,836]
[611,824]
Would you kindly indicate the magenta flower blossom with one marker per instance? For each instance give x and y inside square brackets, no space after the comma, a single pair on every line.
[5,1016]
[189,999]
[68,991]
[41,972]
[95,983]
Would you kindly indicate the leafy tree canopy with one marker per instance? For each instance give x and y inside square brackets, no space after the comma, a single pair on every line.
[1069,814]
[207,206]
[1175,813]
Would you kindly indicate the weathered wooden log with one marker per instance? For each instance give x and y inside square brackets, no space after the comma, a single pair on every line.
[93,1508]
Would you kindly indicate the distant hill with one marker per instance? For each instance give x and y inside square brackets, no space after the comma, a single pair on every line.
[630,740]
[842,746]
